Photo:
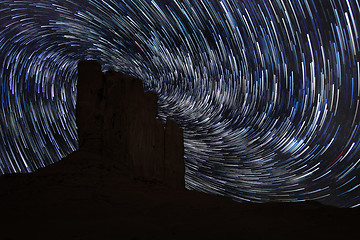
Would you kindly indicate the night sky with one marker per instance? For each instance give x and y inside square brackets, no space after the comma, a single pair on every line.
[267,92]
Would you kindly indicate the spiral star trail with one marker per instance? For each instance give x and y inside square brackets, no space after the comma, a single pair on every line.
[267,92]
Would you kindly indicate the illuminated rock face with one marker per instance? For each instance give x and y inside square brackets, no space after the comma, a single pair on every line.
[116,118]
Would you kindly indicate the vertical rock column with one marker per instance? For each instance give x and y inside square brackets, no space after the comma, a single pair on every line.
[147,139]
[174,155]
[89,106]
[131,131]
[118,115]
[116,118]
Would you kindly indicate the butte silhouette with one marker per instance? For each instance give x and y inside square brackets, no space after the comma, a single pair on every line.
[126,181]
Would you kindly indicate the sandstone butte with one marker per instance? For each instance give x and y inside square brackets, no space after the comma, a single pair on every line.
[117,119]
[126,181]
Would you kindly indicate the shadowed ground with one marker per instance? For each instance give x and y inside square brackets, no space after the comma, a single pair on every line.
[86,196]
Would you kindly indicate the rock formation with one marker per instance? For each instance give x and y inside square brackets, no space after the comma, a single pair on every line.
[88,195]
[116,118]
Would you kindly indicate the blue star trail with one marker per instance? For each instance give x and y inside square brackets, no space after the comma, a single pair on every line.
[267,92]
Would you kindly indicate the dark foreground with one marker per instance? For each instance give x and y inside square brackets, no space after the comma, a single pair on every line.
[94,198]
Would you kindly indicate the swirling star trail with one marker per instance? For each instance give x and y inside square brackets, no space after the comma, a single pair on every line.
[267,92]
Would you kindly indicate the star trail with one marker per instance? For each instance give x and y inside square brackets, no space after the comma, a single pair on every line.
[267,92]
